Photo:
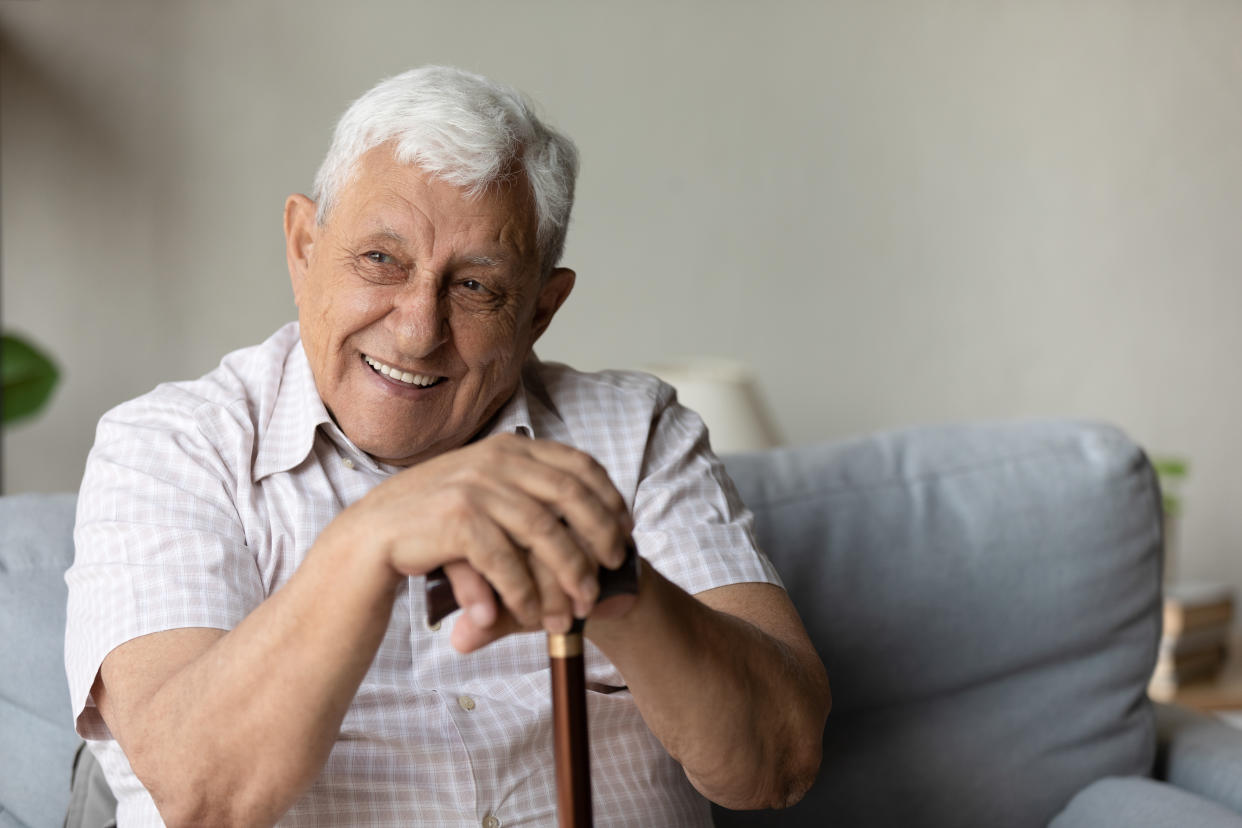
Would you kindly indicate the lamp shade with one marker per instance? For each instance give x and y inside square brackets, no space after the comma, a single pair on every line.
[724,393]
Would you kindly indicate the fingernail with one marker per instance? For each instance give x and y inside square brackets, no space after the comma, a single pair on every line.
[481,614]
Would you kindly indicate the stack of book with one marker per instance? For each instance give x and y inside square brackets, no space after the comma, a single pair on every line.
[1197,623]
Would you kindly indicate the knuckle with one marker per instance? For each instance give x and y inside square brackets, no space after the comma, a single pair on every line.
[505,442]
[556,604]
[486,452]
[523,598]
[483,557]
[569,487]
[550,581]
[523,591]
[586,464]
[543,523]
[456,509]
[473,476]
[459,498]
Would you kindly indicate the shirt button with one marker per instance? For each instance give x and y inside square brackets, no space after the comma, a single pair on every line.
[490,821]
[467,704]
[347,462]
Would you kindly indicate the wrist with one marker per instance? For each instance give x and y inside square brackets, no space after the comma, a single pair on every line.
[353,548]
[621,615]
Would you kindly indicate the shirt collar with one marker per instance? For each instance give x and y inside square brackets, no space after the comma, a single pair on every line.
[288,436]
[512,418]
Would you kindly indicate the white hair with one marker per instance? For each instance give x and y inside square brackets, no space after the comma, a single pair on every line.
[465,130]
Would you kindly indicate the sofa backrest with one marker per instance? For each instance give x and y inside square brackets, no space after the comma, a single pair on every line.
[985,598]
[986,601]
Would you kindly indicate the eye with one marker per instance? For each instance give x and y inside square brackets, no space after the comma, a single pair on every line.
[379,258]
[474,286]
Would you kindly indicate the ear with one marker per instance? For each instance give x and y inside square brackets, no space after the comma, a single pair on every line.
[300,232]
[555,290]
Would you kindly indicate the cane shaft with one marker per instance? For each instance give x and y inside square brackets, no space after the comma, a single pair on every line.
[569,708]
[569,730]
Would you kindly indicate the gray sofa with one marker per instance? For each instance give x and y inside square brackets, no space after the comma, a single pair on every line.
[986,599]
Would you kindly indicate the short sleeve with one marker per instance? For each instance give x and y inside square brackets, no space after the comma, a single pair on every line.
[158,541]
[690,522]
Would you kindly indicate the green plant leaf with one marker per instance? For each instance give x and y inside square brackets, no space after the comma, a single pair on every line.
[28,378]
[1170,467]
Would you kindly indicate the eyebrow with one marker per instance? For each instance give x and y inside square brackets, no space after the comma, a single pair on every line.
[387,234]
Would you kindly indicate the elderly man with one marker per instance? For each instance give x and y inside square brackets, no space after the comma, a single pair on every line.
[245,641]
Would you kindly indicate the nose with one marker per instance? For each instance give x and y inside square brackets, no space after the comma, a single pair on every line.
[419,317]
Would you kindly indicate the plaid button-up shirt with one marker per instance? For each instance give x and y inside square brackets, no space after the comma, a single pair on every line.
[201,498]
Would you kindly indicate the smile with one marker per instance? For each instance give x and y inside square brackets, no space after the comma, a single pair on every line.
[420,380]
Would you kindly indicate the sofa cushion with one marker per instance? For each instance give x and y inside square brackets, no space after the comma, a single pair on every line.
[1197,753]
[1142,803]
[985,599]
[37,740]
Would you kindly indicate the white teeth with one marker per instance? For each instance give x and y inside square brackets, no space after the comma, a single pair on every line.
[422,380]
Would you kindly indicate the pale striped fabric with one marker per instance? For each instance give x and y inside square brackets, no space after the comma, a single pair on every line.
[201,498]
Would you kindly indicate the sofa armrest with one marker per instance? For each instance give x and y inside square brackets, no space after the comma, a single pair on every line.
[1199,753]
[36,726]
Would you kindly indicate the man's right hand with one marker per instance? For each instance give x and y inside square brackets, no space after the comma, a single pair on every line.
[533,519]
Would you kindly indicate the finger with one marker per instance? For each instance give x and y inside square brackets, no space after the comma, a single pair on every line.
[473,593]
[467,636]
[585,468]
[599,529]
[531,525]
[557,616]
[491,551]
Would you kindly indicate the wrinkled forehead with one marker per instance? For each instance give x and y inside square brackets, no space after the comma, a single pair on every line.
[385,193]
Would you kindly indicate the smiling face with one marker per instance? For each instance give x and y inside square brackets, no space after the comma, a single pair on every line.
[417,305]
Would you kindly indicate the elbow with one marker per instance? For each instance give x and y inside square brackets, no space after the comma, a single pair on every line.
[807,749]
[185,808]
[794,772]
[184,811]
[182,802]
[774,784]
[779,777]
[197,794]
[794,765]
[798,775]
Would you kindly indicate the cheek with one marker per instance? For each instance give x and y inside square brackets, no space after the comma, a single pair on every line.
[488,341]
[342,313]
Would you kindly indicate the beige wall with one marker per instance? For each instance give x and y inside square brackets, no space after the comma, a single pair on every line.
[898,212]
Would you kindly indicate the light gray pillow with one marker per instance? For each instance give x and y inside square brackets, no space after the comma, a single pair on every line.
[986,599]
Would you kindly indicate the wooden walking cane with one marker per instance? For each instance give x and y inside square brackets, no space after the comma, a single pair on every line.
[569,700]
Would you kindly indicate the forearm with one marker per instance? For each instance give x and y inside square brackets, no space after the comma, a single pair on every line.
[237,733]
[741,710]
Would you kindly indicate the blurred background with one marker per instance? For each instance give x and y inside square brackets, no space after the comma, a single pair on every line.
[894,213]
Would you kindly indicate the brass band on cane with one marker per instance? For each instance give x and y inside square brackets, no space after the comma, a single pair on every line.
[564,645]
